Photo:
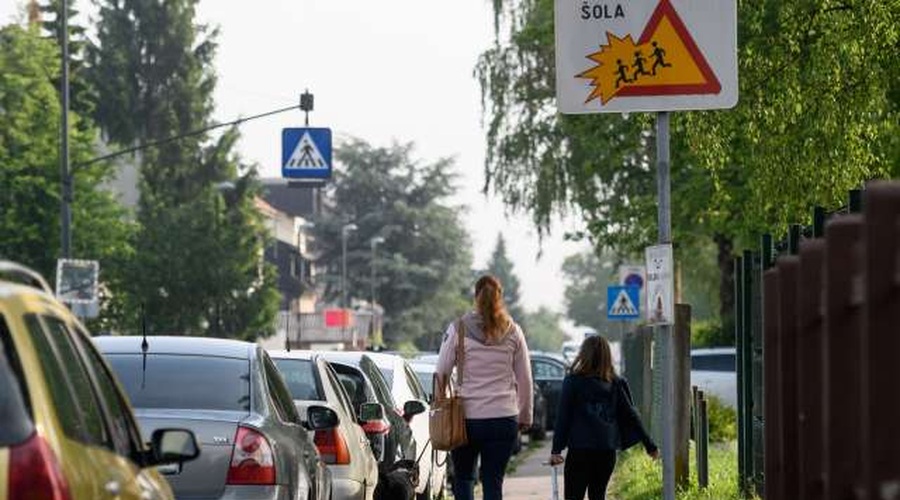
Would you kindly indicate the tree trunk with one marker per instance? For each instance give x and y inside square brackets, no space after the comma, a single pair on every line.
[725,260]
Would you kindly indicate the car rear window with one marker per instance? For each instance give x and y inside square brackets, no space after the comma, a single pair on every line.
[300,378]
[173,381]
[14,410]
[713,362]
[354,383]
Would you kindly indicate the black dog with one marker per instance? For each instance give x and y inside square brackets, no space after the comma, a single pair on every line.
[397,481]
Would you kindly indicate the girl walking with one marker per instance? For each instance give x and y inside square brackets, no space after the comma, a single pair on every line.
[495,389]
[595,418]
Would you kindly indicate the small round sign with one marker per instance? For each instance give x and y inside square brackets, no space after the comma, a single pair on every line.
[634,280]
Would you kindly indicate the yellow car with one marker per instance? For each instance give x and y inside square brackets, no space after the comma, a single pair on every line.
[67,432]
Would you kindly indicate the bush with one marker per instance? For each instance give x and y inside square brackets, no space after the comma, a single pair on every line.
[637,477]
[722,420]
[711,334]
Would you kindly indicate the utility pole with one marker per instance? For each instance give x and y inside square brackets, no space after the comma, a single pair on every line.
[65,178]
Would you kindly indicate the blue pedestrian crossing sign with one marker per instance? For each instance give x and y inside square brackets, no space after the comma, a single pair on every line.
[306,153]
[623,302]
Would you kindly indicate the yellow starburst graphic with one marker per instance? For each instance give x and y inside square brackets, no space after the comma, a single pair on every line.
[611,74]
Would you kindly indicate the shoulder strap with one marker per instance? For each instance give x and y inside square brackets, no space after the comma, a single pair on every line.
[460,350]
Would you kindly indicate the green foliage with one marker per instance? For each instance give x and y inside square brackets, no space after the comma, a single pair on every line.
[818,114]
[197,265]
[543,332]
[637,477]
[587,277]
[710,333]
[722,420]
[29,167]
[423,266]
[502,268]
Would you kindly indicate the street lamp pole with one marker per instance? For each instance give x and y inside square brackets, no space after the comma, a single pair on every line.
[345,231]
[220,190]
[66,178]
[375,242]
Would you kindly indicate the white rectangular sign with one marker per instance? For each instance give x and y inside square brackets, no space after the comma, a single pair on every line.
[660,285]
[646,55]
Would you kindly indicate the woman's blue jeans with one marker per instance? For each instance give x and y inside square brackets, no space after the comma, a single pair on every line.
[493,440]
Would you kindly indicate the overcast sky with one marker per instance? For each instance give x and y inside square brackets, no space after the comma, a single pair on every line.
[381,71]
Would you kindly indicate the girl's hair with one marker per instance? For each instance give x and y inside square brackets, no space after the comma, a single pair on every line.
[595,359]
[489,304]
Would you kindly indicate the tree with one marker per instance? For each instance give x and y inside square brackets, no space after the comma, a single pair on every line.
[48,13]
[29,165]
[197,267]
[587,277]
[423,265]
[502,268]
[818,115]
[543,332]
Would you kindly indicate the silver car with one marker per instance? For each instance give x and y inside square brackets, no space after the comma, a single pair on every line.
[312,381]
[254,444]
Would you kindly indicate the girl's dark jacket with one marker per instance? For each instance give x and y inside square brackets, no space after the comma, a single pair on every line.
[597,415]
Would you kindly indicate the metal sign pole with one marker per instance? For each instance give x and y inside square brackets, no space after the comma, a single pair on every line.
[664,190]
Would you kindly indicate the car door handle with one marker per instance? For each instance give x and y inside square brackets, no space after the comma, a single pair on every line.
[113,488]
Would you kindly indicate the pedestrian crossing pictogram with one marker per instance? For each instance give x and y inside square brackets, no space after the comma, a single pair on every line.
[622,302]
[306,153]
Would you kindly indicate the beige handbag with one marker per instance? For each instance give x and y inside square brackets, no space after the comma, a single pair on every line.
[447,421]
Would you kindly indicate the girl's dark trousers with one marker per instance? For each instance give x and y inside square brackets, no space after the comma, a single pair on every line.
[588,470]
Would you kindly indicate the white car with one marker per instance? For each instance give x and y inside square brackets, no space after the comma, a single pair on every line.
[714,371]
[345,448]
[405,386]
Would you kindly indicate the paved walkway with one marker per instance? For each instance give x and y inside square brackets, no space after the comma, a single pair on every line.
[531,480]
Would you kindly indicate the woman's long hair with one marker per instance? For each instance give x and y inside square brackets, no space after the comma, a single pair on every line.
[489,304]
[595,359]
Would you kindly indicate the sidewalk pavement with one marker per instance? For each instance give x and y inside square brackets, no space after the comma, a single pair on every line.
[531,478]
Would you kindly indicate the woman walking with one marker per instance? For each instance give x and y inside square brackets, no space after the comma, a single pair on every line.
[495,389]
[595,418]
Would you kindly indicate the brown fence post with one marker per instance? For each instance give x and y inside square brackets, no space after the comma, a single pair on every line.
[771,391]
[682,333]
[881,342]
[841,402]
[809,368]
[788,268]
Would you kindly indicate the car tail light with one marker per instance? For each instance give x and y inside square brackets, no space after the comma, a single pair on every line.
[252,459]
[34,472]
[376,427]
[332,446]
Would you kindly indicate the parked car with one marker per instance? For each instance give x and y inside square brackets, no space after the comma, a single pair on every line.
[255,444]
[406,390]
[399,443]
[67,430]
[311,380]
[714,371]
[548,371]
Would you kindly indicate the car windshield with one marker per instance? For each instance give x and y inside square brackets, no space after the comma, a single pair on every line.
[426,378]
[300,377]
[184,382]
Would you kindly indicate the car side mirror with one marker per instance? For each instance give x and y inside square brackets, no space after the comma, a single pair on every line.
[371,412]
[321,417]
[171,446]
[413,408]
